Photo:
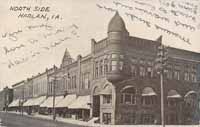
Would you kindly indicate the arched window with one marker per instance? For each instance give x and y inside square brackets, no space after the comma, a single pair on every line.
[107,94]
[190,99]
[148,96]
[173,98]
[128,95]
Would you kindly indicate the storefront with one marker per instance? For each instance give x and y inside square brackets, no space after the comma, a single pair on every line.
[47,106]
[62,106]
[80,108]
[14,105]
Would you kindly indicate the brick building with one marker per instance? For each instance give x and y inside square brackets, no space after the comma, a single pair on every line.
[126,87]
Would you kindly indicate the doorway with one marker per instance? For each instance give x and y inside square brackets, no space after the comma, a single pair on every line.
[96,106]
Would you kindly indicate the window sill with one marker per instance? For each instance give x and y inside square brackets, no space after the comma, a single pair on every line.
[127,104]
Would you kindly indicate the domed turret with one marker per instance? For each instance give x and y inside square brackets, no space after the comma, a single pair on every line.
[117,24]
[117,28]
[117,37]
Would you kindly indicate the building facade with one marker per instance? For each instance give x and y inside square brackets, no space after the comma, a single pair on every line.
[18,96]
[28,86]
[8,97]
[40,85]
[2,102]
[117,83]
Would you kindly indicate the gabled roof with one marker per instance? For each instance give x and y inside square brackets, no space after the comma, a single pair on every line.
[67,59]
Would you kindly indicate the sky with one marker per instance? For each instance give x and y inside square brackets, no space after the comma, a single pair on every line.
[35,33]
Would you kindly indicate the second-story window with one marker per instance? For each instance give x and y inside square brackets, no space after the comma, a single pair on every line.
[85,80]
[69,82]
[116,62]
[177,75]
[168,73]
[186,76]
[193,77]
[133,70]
[186,73]
[149,72]
[96,69]
[74,81]
[105,66]
[142,71]
[121,64]
[194,74]
[65,81]
[101,67]
[114,65]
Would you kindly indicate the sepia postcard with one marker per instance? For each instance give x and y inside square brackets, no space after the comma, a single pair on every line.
[96,63]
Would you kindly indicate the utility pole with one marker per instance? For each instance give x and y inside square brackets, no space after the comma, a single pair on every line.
[22,101]
[160,65]
[55,79]
[162,99]
[54,94]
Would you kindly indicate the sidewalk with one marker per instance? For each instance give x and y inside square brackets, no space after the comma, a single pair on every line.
[83,123]
[66,120]
[60,119]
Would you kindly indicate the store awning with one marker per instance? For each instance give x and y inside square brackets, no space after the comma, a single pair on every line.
[29,102]
[49,101]
[173,94]
[190,92]
[148,91]
[66,101]
[34,101]
[39,100]
[82,102]
[14,103]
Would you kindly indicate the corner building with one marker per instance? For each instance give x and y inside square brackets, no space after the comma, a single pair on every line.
[122,84]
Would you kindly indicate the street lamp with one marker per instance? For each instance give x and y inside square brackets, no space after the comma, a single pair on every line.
[160,64]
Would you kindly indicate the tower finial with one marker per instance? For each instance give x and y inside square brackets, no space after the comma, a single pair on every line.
[116,24]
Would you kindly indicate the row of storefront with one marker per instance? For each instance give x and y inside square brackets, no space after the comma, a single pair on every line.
[71,105]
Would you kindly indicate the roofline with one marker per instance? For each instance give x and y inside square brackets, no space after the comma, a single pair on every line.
[198,53]
[16,84]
